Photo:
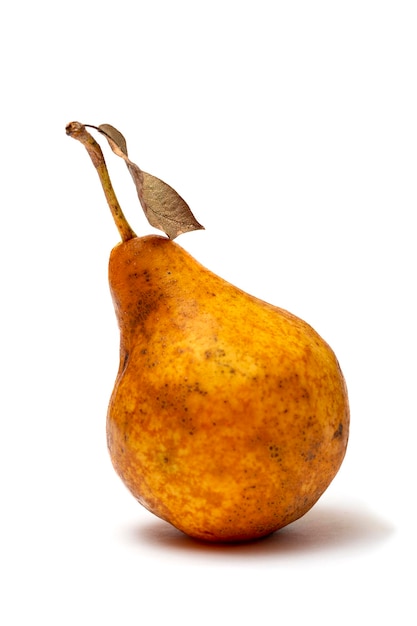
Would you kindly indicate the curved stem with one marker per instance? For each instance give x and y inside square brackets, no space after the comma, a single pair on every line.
[79,132]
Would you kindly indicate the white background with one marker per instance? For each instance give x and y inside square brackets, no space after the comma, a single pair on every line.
[291,130]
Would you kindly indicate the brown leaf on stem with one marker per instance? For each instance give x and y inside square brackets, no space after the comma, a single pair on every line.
[163,206]
[115,138]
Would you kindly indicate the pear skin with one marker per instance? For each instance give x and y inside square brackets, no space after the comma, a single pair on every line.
[229,416]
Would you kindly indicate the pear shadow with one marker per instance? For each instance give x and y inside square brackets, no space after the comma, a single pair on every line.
[324,529]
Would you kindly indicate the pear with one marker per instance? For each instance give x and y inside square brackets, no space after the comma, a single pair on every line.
[229,416]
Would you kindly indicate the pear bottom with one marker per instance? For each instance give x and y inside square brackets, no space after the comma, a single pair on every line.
[229,417]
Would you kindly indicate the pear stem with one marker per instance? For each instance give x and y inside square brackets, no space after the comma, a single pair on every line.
[79,132]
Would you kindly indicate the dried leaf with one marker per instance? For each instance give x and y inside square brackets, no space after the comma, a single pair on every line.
[163,206]
[115,138]
[173,216]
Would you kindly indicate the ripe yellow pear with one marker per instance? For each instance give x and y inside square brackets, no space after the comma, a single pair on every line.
[229,416]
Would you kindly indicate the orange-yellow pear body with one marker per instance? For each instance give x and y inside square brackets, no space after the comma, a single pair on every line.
[229,417]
